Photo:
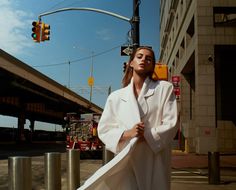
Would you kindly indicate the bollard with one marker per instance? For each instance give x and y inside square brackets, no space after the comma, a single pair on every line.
[52,168]
[19,173]
[213,167]
[107,155]
[73,169]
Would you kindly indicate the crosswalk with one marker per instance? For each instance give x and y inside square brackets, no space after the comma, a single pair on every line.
[189,176]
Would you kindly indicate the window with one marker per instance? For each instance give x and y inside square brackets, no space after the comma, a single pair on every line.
[224,16]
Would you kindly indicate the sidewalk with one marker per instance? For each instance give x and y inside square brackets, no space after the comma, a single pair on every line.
[191,171]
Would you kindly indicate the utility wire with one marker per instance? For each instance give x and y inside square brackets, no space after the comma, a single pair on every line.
[59,3]
[78,60]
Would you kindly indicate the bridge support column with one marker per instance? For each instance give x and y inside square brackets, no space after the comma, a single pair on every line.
[31,130]
[21,123]
[32,125]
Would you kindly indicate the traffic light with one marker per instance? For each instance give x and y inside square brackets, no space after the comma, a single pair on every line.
[45,32]
[160,72]
[124,66]
[36,31]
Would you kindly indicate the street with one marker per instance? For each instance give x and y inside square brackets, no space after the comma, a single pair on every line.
[182,178]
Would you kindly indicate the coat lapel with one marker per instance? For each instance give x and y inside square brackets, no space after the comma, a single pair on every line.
[132,114]
[137,109]
[146,92]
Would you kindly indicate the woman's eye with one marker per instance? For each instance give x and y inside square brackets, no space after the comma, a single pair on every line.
[149,59]
[139,56]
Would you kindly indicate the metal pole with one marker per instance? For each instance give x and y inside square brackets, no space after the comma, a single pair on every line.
[52,163]
[135,24]
[91,75]
[73,169]
[85,9]
[19,173]
[214,168]
[107,155]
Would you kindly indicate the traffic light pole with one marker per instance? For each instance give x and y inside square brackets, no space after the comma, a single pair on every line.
[134,21]
[135,24]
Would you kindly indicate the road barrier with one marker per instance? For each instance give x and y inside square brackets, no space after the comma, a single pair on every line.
[107,155]
[52,162]
[19,171]
[214,168]
[73,169]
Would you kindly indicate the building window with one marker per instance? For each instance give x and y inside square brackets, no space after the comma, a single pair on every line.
[190,30]
[224,16]
[225,70]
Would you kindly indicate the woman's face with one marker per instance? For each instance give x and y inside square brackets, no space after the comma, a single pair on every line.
[143,62]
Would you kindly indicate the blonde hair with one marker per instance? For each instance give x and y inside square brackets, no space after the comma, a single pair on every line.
[129,70]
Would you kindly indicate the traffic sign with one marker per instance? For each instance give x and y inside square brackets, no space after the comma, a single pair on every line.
[126,50]
[90,81]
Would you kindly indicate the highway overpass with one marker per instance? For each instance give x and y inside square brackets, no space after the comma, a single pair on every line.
[28,94]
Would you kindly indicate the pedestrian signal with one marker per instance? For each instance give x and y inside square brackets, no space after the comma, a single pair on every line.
[45,32]
[36,31]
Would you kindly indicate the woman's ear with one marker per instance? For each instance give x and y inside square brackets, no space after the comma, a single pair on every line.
[131,64]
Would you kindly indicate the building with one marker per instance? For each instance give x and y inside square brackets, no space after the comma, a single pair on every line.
[198,43]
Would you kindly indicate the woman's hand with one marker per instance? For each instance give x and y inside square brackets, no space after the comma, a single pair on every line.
[136,131]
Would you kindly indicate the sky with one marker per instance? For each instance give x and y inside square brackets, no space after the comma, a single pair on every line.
[78,41]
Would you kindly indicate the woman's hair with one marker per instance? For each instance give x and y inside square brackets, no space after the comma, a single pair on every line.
[129,70]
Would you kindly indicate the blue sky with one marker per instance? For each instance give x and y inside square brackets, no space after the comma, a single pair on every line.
[75,36]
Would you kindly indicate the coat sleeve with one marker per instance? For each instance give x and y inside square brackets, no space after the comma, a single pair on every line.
[109,130]
[160,136]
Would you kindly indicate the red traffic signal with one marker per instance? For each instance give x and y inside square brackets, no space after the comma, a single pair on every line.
[36,31]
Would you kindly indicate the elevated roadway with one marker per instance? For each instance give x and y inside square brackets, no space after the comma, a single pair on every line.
[26,93]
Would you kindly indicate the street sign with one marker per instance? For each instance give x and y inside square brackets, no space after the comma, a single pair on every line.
[90,81]
[175,82]
[126,50]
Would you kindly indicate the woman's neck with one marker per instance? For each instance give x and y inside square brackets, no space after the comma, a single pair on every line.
[138,84]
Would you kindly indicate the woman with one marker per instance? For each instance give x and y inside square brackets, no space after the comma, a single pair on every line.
[138,124]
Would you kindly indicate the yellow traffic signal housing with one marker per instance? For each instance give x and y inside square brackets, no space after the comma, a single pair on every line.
[45,32]
[160,72]
[36,31]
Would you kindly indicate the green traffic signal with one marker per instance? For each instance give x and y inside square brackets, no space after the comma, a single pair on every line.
[36,31]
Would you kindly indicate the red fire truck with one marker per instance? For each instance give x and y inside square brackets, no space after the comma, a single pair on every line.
[82,134]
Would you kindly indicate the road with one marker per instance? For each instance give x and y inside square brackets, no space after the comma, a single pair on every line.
[193,176]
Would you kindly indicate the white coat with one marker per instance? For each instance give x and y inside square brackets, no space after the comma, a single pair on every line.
[138,165]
